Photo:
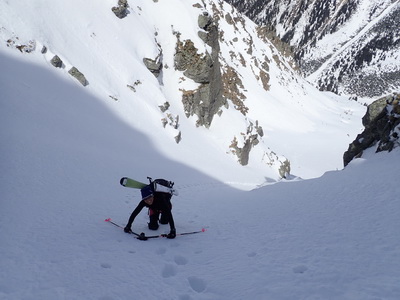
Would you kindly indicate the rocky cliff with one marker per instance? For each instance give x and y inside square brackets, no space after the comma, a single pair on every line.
[203,69]
[382,128]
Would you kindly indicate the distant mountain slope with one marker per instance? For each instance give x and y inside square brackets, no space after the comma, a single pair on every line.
[350,47]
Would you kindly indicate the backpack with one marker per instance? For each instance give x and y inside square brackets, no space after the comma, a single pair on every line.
[157,188]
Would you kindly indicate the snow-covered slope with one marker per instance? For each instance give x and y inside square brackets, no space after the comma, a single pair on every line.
[335,237]
[268,108]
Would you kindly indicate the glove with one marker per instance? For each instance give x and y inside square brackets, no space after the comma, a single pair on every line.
[127,229]
[172,234]
[142,237]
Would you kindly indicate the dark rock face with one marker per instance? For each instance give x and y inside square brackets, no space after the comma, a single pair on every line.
[205,21]
[153,65]
[382,128]
[56,62]
[207,100]
[195,66]
[243,153]
[252,137]
[121,11]
[78,76]
[351,65]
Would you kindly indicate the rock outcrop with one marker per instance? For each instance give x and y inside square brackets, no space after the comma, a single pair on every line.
[251,138]
[56,61]
[382,128]
[74,72]
[121,11]
[153,65]
[23,47]
[206,101]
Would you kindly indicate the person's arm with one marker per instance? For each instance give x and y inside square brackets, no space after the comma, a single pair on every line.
[137,210]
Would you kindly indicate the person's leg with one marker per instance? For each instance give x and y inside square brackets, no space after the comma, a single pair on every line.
[153,215]
[164,219]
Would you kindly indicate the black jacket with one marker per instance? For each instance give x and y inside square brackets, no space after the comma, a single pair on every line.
[162,202]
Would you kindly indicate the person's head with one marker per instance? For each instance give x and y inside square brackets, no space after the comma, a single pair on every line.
[149,200]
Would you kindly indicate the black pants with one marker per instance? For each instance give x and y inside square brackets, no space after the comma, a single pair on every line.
[155,218]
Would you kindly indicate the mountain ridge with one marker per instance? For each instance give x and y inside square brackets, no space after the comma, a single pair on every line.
[347,47]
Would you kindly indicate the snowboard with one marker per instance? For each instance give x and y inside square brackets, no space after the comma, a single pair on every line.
[131,183]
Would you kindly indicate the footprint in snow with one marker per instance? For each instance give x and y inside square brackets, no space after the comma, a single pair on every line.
[169,271]
[197,284]
[180,260]
[105,266]
[300,269]
[251,254]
